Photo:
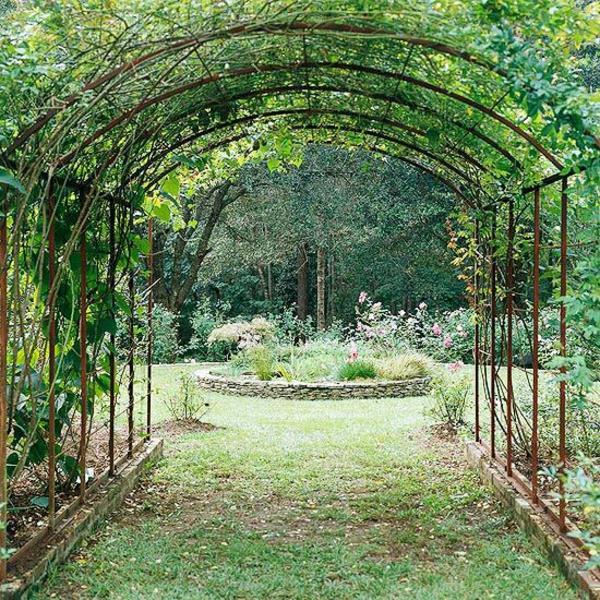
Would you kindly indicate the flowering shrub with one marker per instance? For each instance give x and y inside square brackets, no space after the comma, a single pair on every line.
[243,334]
[448,336]
[375,324]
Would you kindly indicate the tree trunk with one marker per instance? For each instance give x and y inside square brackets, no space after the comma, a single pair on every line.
[302,303]
[320,288]
[331,298]
[263,282]
[270,282]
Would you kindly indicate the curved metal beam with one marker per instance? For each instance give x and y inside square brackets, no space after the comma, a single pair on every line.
[260,69]
[238,31]
[372,148]
[291,112]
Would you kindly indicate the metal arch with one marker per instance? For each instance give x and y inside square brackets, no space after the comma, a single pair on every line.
[393,140]
[301,88]
[241,30]
[259,69]
[219,143]
[415,148]
[373,148]
[291,112]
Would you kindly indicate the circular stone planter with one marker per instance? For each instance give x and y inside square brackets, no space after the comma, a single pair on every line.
[295,390]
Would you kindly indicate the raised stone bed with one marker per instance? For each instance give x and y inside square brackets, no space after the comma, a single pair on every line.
[295,390]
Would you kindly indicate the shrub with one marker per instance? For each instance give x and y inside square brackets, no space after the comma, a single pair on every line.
[450,389]
[261,362]
[358,369]
[187,403]
[289,328]
[582,419]
[165,345]
[205,319]
[404,366]
[582,490]
[243,334]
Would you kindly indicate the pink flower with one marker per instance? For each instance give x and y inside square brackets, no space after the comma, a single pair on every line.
[436,329]
[448,342]
[362,297]
[353,352]
[423,306]
[455,367]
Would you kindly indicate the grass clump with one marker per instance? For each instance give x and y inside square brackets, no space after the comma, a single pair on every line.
[261,362]
[358,369]
[404,366]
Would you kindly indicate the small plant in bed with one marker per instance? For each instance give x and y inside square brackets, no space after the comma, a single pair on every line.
[261,362]
[357,369]
[404,366]
[450,388]
[188,403]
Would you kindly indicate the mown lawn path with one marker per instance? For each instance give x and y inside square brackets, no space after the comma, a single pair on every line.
[353,499]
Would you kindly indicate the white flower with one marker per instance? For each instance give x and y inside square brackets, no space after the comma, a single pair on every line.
[423,306]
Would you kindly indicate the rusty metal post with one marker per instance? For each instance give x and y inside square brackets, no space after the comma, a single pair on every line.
[149,324]
[131,358]
[83,363]
[563,349]
[3,378]
[493,336]
[476,341]
[509,334]
[112,340]
[51,363]
[536,345]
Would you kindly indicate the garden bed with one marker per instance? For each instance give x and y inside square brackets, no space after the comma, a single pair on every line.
[30,566]
[324,390]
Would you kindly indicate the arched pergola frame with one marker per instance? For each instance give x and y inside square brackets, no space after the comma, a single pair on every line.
[437,90]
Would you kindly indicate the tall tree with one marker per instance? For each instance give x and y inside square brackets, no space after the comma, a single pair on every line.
[302,282]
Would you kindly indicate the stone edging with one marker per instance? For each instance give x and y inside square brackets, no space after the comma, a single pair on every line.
[69,534]
[560,549]
[295,390]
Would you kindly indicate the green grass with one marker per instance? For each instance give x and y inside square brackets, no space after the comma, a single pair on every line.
[316,500]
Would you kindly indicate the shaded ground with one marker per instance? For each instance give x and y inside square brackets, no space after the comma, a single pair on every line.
[351,499]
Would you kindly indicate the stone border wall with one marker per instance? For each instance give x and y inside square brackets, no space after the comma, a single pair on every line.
[56,547]
[560,549]
[294,390]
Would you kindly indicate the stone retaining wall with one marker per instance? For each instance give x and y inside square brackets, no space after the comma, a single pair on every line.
[313,391]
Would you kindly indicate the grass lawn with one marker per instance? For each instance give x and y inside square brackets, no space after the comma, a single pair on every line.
[349,499]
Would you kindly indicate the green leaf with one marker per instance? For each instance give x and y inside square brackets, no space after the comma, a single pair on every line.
[40,501]
[273,164]
[8,179]
[162,212]
[171,185]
